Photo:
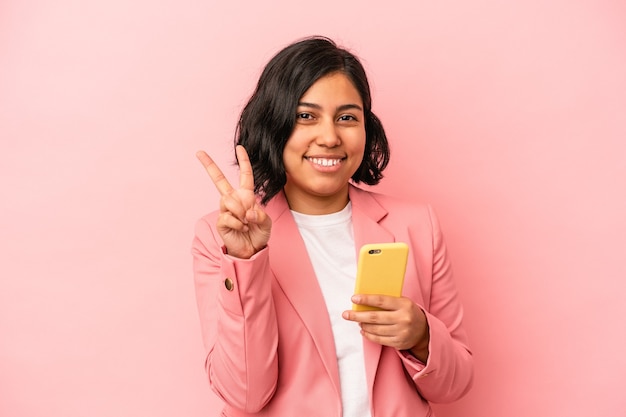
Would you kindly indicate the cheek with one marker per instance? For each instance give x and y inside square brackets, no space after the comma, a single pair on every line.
[361,150]
[286,163]
[290,157]
[358,145]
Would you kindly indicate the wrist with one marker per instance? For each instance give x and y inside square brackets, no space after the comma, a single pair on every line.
[420,349]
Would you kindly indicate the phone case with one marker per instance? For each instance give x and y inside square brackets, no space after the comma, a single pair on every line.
[380,270]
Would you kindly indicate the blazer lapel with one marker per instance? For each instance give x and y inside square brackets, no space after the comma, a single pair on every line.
[366,216]
[295,275]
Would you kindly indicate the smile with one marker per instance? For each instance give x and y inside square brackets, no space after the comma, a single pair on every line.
[325,162]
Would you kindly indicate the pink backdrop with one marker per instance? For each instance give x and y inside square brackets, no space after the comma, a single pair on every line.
[508,116]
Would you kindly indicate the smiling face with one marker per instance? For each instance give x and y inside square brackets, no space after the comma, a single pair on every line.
[326,146]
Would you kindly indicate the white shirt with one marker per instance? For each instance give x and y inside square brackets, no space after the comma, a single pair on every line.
[329,240]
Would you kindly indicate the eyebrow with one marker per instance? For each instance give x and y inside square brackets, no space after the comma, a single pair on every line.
[343,107]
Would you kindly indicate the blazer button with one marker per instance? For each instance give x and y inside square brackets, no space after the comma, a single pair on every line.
[228,283]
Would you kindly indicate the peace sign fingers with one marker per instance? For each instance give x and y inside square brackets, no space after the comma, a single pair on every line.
[243,225]
[233,201]
[246,176]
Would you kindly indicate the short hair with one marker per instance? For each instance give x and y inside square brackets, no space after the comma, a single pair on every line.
[268,119]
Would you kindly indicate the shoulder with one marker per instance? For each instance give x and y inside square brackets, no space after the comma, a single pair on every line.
[205,231]
[208,220]
[396,203]
[394,207]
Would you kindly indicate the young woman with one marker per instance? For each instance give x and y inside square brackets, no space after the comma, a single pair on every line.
[275,265]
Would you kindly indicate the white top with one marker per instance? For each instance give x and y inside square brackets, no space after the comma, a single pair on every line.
[329,240]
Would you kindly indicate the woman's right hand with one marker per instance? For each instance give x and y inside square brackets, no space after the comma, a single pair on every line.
[243,225]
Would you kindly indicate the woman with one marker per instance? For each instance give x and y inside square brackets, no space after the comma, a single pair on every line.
[275,265]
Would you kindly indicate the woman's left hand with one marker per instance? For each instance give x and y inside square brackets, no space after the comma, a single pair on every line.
[399,323]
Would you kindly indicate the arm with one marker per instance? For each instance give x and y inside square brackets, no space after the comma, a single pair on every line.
[234,292]
[239,325]
[428,337]
[448,372]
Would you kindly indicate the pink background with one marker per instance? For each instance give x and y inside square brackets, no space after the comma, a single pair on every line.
[509,117]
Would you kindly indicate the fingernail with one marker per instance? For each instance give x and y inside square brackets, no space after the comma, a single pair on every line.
[356,299]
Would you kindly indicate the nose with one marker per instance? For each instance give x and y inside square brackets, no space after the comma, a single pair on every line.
[328,135]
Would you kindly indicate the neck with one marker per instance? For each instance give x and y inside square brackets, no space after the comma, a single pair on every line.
[316,205]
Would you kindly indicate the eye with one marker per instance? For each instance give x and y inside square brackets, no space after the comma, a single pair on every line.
[347,118]
[304,116]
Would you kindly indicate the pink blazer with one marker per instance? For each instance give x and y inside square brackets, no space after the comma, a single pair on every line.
[267,332]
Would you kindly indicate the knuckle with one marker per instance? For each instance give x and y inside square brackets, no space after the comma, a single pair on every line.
[218,176]
[404,319]
[379,301]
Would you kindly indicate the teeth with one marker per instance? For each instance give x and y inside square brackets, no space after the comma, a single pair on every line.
[325,162]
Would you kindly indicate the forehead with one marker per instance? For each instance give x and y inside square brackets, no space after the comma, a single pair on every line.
[334,87]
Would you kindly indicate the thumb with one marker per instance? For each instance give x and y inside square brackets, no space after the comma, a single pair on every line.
[257,216]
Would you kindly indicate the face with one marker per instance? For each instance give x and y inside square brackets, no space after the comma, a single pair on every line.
[326,146]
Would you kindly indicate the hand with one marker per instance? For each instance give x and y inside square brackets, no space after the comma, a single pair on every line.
[400,323]
[242,223]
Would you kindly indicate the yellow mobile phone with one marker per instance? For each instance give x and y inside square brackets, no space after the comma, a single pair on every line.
[380,270]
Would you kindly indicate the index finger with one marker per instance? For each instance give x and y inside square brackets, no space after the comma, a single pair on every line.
[376,302]
[216,174]
[246,176]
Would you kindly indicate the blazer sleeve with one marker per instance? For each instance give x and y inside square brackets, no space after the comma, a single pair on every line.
[448,373]
[238,321]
